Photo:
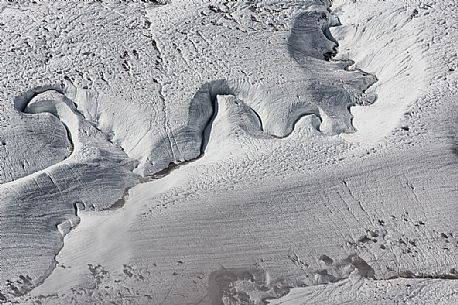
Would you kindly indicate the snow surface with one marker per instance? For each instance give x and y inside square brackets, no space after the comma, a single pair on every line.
[228,152]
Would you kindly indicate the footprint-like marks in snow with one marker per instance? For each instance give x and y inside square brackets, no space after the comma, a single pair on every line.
[97,172]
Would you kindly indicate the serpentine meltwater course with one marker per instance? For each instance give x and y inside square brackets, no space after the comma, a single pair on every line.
[228,152]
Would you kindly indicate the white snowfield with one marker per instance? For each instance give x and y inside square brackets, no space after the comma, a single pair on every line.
[229,152]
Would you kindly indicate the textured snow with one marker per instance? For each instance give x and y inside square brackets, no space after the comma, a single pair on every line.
[228,152]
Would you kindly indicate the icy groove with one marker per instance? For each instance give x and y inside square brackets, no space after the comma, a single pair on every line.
[208,92]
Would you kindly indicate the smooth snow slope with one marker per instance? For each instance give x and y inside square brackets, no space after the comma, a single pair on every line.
[276,199]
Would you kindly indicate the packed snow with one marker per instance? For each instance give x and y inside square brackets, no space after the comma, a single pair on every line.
[229,152]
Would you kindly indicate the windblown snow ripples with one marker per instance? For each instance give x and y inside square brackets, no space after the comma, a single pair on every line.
[272,77]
